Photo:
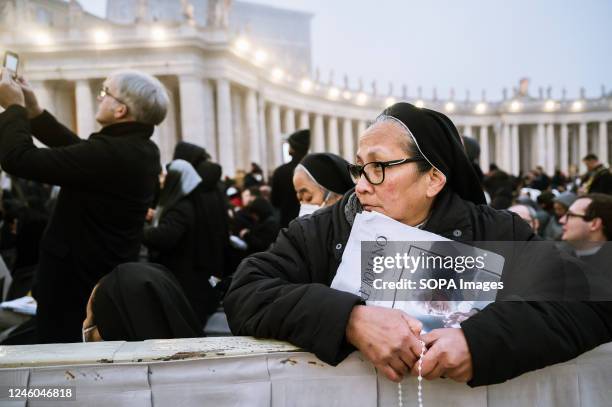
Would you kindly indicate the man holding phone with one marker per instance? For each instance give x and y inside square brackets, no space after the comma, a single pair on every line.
[107,184]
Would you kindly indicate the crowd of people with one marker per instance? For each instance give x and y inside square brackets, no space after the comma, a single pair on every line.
[113,246]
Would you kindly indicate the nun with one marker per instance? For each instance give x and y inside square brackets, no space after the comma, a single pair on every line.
[410,166]
[136,302]
[321,180]
[180,237]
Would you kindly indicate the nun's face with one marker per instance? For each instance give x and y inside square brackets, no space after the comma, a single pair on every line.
[307,191]
[405,194]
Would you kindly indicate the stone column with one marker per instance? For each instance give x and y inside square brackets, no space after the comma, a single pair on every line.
[582,145]
[318,135]
[241,155]
[266,159]
[43,95]
[304,122]
[274,121]
[225,131]
[252,127]
[505,149]
[198,113]
[603,142]
[348,144]
[84,100]
[484,148]
[516,167]
[550,149]
[564,164]
[541,145]
[332,135]
[289,121]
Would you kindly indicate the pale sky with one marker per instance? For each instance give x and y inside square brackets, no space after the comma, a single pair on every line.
[468,44]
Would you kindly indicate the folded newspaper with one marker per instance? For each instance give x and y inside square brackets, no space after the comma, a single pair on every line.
[436,280]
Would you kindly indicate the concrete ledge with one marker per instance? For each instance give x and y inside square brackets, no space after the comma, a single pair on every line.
[246,371]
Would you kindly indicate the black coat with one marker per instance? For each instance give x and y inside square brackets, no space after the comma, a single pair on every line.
[173,243]
[285,294]
[107,184]
[283,194]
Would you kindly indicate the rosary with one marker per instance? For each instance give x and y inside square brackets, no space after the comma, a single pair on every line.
[420,379]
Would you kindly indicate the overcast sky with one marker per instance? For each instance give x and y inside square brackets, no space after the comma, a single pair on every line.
[468,44]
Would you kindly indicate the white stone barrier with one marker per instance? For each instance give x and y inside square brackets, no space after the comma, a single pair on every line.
[242,371]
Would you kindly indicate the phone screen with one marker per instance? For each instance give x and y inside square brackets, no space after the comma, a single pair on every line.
[11,61]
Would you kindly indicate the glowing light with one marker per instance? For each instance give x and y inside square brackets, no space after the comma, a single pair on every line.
[481,108]
[450,107]
[306,85]
[158,33]
[277,74]
[347,95]
[420,104]
[577,105]
[242,44]
[362,98]
[389,101]
[261,56]
[515,106]
[333,92]
[42,38]
[101,36]
[549,106]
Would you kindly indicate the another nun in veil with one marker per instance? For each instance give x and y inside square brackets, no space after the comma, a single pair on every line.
[136,302]
[412,167]
[178,236]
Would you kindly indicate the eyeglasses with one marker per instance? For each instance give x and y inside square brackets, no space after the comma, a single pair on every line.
[104,92]
[375,171]
[570,214]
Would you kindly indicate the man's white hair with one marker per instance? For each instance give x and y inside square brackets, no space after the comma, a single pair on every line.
[145,96]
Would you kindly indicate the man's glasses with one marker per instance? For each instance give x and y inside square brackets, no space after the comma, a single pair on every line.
[104,92]
[570,214]
[375,171]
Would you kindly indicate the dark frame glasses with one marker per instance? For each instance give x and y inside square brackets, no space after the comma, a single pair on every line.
[374,171]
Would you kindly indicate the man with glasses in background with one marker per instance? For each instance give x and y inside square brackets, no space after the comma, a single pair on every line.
[107,182]
[587,226]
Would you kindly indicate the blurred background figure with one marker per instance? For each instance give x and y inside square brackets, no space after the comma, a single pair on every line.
[136,302]
[320,180]
[598,178]
[180,237]
[283,195]
[528,214]
[264,226]
[553,228]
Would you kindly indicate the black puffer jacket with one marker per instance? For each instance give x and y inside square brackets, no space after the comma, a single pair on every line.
[285,294]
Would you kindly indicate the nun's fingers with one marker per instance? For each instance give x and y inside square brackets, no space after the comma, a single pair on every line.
[399,366]
[429,361]
[390,373]
[436,372]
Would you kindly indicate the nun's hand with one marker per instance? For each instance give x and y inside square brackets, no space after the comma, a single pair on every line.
[448,355]
[386,337]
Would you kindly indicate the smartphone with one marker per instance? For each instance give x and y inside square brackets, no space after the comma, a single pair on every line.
[11,62]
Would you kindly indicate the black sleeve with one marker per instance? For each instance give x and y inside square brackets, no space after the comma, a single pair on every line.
[52,133]
[507,339]
[171,228]
[81,163]
[276,295]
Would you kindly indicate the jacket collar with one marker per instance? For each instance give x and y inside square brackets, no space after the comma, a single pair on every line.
[126,128]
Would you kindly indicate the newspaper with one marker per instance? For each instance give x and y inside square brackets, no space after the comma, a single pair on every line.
[435,308]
